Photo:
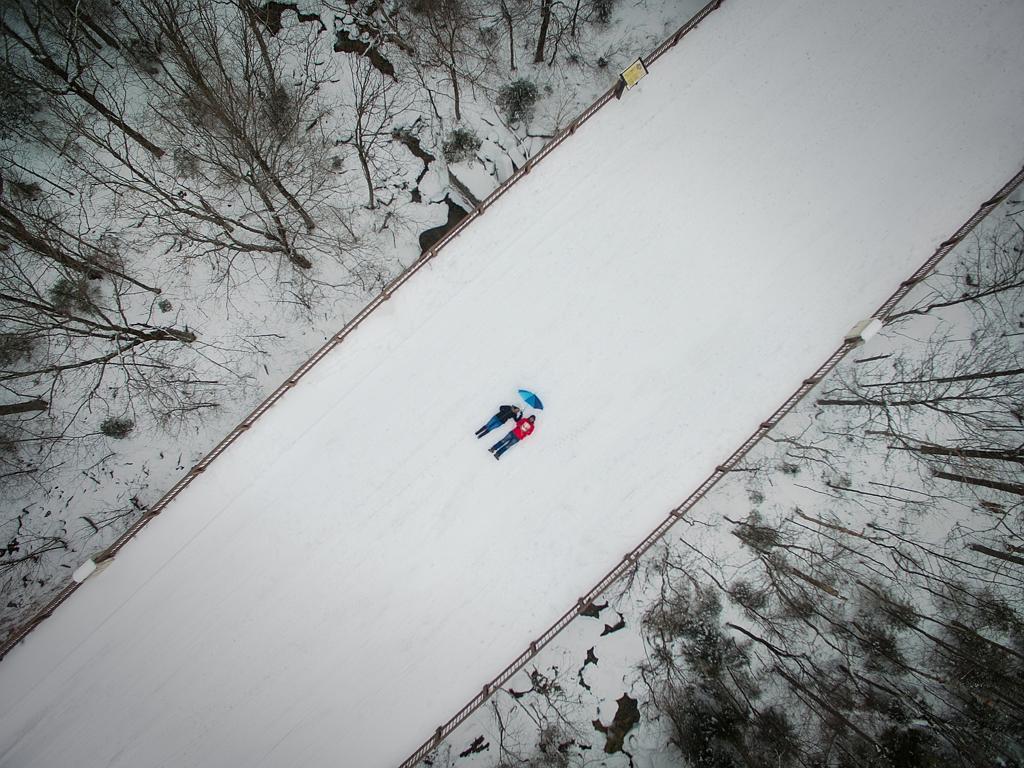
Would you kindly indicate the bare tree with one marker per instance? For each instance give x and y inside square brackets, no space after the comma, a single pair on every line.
[375,106]
[445,36]
[513,14]
[562,25]
[74,325]
[48,51]
[246,122]
[987,278]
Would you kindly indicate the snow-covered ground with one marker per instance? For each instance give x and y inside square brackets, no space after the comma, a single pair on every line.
[353,569]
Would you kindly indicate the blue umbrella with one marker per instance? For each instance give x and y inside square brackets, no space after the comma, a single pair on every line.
[531,399]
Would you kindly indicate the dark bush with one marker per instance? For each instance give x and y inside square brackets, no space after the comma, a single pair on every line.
[144,54]
[14,347]
[880,646]
[910,748]
[19,101]
[517,99]
[602,10]
[24,190]
[462,144]
[704,727]
[489,36]
[691,617]
[165,305]
[774,736]
[279,111]
[72,295]
[755,535]
[185,163]
[117,427]
[747,596]
[684,613]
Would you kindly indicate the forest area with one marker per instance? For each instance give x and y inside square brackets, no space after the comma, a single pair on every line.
[849,596]
[194,195]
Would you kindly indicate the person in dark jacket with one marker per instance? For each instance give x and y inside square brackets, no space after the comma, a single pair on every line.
[504,413]
[523,429]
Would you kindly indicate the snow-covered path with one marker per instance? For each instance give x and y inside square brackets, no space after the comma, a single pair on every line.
[356,566]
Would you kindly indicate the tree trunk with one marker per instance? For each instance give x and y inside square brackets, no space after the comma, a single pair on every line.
[247,10]
[997,554]
[101,330]
[1016,457]
[507,15]
[365,163]
[997,485]
[455,92]
[294,256]
[52,67]
[26,406]
[12,225]
[545,19]
[962,377]
[97,29]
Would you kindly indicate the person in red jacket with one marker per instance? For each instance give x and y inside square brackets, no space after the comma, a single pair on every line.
[523,429]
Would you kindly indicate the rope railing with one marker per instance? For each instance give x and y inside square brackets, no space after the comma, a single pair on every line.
[17,635]
[632,557]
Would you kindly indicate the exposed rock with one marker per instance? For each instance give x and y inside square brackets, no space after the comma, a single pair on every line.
[626,716]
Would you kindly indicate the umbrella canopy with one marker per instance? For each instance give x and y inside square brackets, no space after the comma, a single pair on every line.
[531,399]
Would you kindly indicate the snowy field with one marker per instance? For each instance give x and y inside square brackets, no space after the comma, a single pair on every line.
[350,572]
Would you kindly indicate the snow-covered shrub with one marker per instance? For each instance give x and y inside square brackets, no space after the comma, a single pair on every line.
[14,347]
[117,427]
[144,54]
[705,725]
[551,746]
[602,10]
[747,596]
[489,35]
[517,99]
[690,616]
[18,101]
[461,144]
[23,190]
[279,111]
[72,295]
[775,736]
[755,534]
[186,164]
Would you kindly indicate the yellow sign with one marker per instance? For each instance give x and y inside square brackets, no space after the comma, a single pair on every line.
[632,74]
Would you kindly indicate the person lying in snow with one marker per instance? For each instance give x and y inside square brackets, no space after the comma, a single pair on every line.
[524,427]
[504,413]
